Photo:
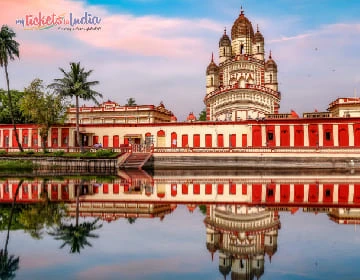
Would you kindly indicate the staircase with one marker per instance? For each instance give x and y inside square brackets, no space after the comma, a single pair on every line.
[135,160]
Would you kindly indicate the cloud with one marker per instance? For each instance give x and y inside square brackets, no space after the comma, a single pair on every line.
[134,269]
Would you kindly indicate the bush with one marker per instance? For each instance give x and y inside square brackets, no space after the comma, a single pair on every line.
[3,152]
[59,153]
[30,152]
[104,153]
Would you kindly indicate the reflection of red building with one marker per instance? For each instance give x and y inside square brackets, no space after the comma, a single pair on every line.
[243,236]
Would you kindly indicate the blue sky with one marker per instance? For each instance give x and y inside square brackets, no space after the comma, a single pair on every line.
[157,50]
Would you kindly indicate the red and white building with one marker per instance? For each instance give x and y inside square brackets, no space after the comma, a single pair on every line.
[242,106]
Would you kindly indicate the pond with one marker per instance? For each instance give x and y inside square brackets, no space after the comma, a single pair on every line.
[181,225]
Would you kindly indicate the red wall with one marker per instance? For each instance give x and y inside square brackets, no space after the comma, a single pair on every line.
[256,136]
[299,136]
[343,135]
[313,135]
[285,136]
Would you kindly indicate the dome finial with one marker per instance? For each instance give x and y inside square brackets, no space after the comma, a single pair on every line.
[225,30]
[241,10]
[270,55]
[212,56]
[257,28]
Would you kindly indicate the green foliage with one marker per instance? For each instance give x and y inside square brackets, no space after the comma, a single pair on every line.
[75,84]
[5,115]
[25,165]
[131,102]
[43,108]
[202,115]
[202,208]
[76,236]
[35,218]
[104,153]
[30,152]
[59,153]
[3,152]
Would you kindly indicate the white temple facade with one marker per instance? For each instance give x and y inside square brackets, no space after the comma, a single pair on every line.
[244,85]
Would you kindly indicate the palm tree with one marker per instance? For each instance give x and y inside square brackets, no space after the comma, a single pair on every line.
[76,236]
[75,84]
[9,48]
[131,102]
[9,264]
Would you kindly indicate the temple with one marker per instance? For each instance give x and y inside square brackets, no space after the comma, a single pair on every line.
[242,101]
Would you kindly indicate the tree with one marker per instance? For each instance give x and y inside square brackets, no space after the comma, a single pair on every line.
[9,48]
[43,108]
[5,115]
[44,214]
[76,236]
[9,264]
[75,84]
[202,115]
[131,102]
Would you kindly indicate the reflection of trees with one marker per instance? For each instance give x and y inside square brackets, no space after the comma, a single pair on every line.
[9,264]
[76,236]
[131,220]
[44,214]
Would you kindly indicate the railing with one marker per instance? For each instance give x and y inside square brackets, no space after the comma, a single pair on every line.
[298,150]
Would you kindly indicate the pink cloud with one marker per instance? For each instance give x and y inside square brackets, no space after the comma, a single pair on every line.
[150,266]
[40,52]
[150,35]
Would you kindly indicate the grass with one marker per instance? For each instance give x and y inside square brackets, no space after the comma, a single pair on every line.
[86,155]
[19,165]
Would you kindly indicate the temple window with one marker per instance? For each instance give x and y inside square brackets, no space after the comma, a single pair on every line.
[270,136]
[328,135]
[241,48]
[258,49]
[271,78]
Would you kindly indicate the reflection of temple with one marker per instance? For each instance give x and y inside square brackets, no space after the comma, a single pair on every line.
[243,236]
[345,215]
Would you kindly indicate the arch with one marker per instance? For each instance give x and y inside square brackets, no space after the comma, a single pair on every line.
[196,140]
[357,135]
[161,138]
[298,193]
[242,82]
[105,141]
[343,135]
[256,136]
[184,141]
[173,140]
[161,133]
[313,135]
[343,193]
[212,81]
[116,141]
[271,78]
[284,193]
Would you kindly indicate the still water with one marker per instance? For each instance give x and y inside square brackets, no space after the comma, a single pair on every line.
[181,225]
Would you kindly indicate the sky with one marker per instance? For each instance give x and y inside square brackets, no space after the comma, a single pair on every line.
[158,50]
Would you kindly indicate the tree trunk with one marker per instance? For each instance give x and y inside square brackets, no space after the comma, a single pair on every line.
[78,126]
[11,110]
[43,143]
[11,214]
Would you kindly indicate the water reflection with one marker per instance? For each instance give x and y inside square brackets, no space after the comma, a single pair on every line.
[241,211]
